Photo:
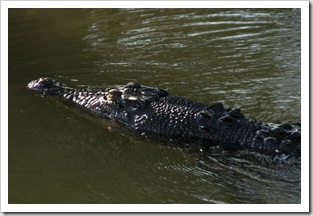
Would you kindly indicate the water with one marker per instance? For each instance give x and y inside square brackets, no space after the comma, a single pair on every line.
[247,58]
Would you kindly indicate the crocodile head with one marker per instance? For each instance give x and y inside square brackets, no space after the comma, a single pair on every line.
[130,93]
[46,86]
[118,102]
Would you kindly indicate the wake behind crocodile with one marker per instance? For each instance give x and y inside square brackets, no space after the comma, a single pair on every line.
[152,112]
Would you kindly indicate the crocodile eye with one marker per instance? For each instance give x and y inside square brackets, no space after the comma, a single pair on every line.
[110,95]
[113,94]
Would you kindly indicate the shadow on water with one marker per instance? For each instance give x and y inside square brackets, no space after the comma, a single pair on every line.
[247,58]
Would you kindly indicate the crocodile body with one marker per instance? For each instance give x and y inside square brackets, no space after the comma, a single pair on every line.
[153,112]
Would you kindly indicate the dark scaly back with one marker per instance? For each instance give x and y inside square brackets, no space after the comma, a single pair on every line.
[176,117]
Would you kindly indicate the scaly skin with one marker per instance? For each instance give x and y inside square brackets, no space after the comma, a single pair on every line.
[152,112]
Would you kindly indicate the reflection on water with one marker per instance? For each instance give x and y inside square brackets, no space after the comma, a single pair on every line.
[249,52]
[247,58]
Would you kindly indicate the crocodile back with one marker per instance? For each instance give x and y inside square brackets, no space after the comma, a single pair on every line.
[178,118]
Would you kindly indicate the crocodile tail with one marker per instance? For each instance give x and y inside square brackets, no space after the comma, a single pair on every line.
[288,137]
[274,139]
[230,129]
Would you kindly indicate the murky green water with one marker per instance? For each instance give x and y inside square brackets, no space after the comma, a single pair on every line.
[247,58]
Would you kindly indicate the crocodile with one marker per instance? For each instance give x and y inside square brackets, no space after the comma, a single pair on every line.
[152,112]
